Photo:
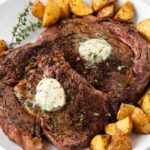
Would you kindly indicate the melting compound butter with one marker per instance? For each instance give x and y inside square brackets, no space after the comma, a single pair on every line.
[50,95]
[95,50]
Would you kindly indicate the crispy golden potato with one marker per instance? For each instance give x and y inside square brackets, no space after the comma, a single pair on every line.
[141,121]
[125,110]
[100,142]
[140,102]
[125,13]
[38,9]
[52,13]
[120,142]
[64,8]
[110,129]
[106,12]
[80,8]
[124,126]
[99,4]
[3,46]
[146,103]
[144,28]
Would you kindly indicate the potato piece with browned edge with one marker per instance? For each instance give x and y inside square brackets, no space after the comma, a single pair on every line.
[99,4]
[125,126]
[110,129]
[100,142]
[141,121]
[125,110]
[52,13]
[146,103]
[144,28]
[38,9]
[120,142]
[125,13]
[64,8]
[3,46]
[106,12]
[80,8]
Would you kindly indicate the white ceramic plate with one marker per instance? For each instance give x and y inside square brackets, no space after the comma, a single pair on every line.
[9,10]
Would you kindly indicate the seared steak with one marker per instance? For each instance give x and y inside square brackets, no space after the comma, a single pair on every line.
[55,55]
[125,74]
[75,124]
[16,123]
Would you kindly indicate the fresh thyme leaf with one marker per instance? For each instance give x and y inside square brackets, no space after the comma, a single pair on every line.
[22,29]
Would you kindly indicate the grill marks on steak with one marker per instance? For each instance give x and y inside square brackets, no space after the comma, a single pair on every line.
[73,126]
[129,51]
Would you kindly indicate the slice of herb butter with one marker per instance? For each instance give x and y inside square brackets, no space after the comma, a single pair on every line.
[95,50]
[50,95]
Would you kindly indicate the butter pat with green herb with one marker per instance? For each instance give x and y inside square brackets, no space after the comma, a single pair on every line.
[50,95]
[95,50]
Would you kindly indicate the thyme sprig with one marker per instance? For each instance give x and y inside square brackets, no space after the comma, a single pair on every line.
[24,26]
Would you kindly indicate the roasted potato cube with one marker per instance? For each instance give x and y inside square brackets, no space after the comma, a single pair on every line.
[146,103]
[124,126]
[99,4]
[3,46]
[110,129]
[125,110]
[100,142]
[144,28]
[51,14]
[64,8]
[120,142]
[106,12]
[38,9]
[80,8]
[125,13]
[141,121]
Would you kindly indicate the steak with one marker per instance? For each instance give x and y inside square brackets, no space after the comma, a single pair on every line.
[98,89]
[16,123]
[75,124]
[125,74]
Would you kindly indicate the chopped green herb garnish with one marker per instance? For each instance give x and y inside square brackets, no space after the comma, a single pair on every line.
[81,119]
[96,114]
[108,114]
[52,123]
[31,62]
[64,21]
[104,37]
[82,40]
[95,82]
